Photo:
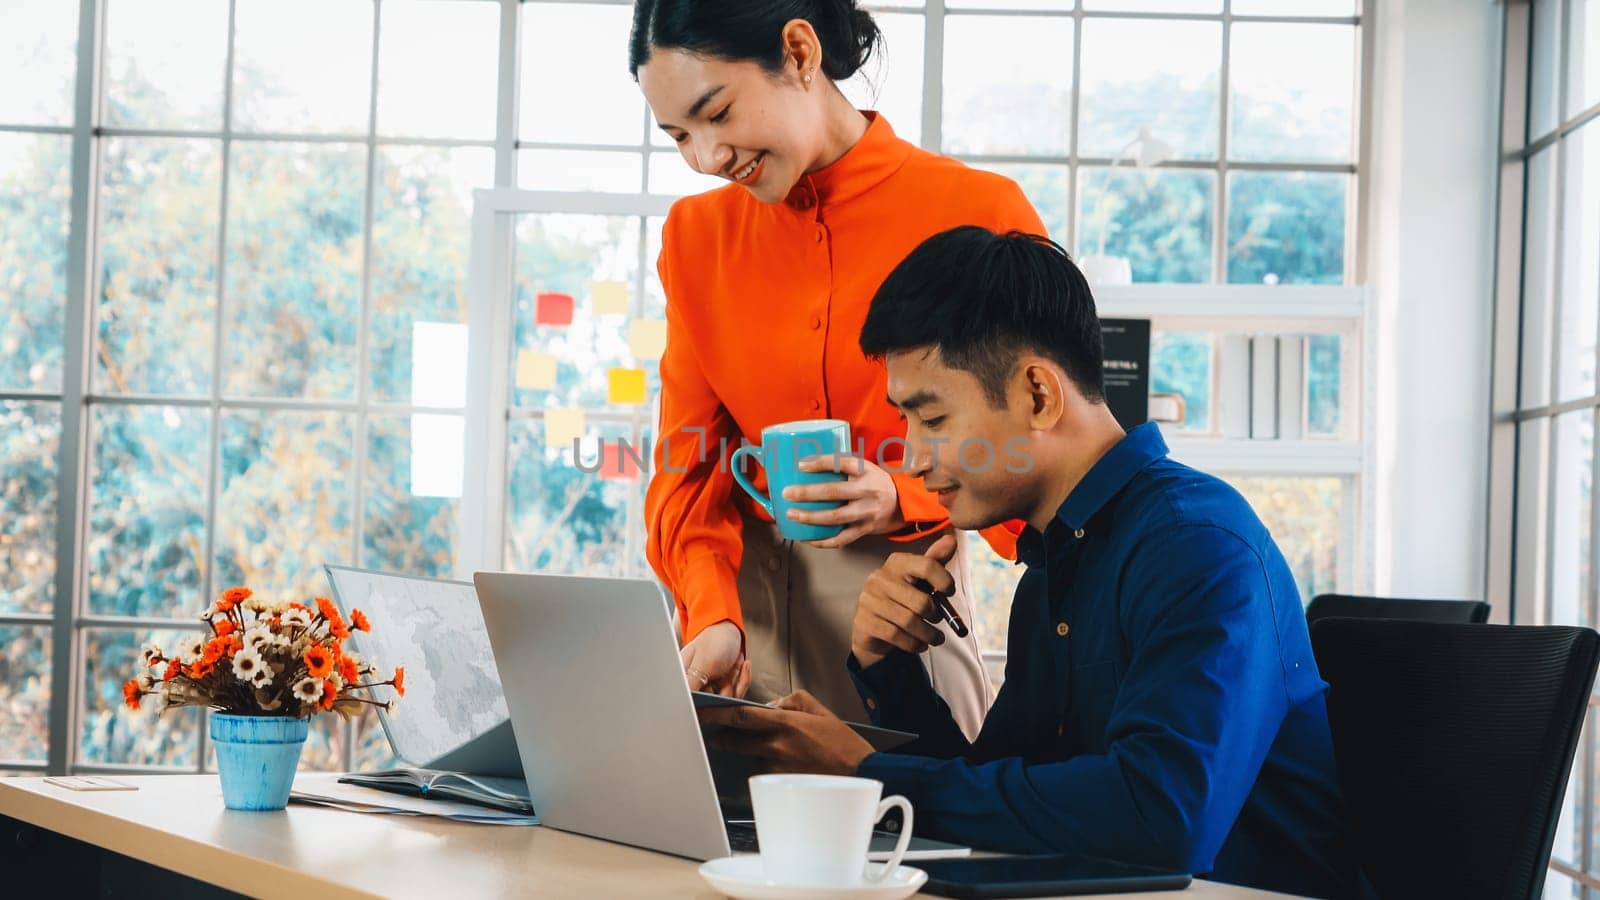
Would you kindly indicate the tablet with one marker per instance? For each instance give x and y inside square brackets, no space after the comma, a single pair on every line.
[1043,876]
[879,738]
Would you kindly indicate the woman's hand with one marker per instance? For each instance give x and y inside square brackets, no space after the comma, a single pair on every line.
[714,661]
[871,500]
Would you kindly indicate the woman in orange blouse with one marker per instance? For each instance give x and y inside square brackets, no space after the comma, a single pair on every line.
[768,281]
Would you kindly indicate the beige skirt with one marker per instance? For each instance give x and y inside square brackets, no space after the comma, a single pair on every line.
[799,603]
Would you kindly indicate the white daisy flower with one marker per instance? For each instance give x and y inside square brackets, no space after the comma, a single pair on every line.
[146,683]
[247,663]
[190,648]
[258,638]
[263,677]
[257,604]
[150,652]
[279,607]
[388,707]
[356,659]
[308,690]
[297,618]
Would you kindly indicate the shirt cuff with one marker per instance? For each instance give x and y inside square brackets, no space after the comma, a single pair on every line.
[708,593]
[907,776]
[885,681]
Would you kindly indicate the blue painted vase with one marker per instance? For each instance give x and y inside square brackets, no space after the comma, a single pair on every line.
[256,758]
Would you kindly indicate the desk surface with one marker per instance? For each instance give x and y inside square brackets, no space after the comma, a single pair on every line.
[178,822]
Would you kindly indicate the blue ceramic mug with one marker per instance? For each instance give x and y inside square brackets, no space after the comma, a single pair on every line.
[782,447]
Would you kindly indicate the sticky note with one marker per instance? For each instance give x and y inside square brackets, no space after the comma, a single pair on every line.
[553,309]
[619,461]
[610,298]
[647,338]
[536,371]
[563,426]
[626,386]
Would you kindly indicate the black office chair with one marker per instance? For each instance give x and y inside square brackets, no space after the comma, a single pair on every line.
[1454,743]
[1327,606]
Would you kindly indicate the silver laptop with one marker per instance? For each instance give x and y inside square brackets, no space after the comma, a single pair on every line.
[604,719]
[454,715]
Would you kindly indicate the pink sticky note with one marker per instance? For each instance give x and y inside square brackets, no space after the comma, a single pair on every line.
[618,461]
[553,309]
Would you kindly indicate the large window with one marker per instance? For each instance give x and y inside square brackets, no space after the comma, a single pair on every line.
[1546,401]
[233,291]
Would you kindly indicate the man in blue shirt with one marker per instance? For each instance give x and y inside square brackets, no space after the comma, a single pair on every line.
[1161,704]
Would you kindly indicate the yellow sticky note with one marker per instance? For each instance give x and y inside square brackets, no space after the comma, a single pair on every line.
[562,427]
[610,298]
[536,371]
[647,338]
[626,386]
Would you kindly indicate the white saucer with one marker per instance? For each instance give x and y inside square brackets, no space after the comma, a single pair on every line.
[742,877]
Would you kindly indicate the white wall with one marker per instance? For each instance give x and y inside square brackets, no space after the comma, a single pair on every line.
[1429,258]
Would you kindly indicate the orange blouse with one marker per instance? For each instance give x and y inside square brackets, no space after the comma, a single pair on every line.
[765,304]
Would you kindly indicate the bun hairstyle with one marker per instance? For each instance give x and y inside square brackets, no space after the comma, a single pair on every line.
[752,30]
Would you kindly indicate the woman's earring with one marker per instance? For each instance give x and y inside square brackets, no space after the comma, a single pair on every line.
[807,77]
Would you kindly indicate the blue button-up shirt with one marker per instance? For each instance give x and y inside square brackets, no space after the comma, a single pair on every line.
[1161,705]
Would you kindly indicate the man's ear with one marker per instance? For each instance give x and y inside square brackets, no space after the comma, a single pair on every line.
[1043,388]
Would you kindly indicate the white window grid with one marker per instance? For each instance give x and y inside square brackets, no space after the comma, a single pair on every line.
[1522,483]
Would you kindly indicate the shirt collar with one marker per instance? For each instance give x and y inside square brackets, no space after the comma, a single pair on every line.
[1111,473]
[876,156]
[1104,480]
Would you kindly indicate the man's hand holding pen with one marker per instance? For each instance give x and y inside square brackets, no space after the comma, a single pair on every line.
[900,607]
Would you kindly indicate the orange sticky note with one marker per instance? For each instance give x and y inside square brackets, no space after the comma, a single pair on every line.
[626,387]
[647,338]
[619,461]
[553,309]
[609,298]
[562,427]
[536,371]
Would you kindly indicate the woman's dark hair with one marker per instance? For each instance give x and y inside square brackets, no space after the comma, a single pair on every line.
[752,30]
[982,299]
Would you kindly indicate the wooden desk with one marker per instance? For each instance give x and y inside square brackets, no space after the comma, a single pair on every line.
[177,823]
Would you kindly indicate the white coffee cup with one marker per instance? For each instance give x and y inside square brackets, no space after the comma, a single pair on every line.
[815,829]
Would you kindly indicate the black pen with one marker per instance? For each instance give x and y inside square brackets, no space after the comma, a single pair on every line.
[941,602]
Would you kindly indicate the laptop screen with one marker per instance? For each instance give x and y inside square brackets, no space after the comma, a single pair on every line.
[435,630]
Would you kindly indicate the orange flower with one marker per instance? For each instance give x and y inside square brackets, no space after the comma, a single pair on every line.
[329,694]
[294,604]
[337,628]
[216,648]
[400,680]
[173,668]
[326,607]
[234,644]
[237,595]
[358,620]
[202,668]
[276,622]
[319,662]
[224,627]
[347,670]
[130,693]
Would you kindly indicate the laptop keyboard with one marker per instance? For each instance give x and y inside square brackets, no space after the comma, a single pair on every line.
[742,837]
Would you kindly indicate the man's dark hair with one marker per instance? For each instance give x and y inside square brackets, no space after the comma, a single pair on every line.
[982,299]
[753,30]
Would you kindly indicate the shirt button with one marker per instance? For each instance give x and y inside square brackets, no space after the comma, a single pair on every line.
[774,563]
[816,322]
[816,404]
[1062,629]
[819,235]
[871,703]
[1078,534]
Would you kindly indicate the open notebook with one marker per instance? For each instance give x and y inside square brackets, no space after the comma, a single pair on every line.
[509,794]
